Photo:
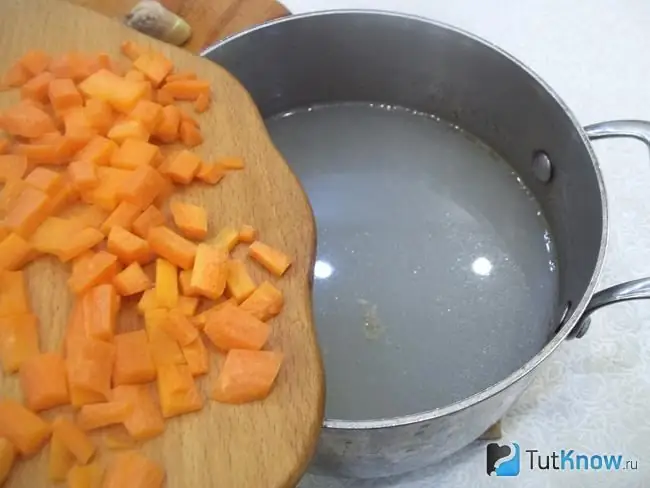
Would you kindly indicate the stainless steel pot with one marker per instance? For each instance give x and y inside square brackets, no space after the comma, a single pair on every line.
[397,60]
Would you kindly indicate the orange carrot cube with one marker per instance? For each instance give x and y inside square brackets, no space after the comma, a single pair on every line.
[272,259]
[227,238]
[166,284]
[265,302]
[90,367]
[142,187]
[169,123]
[145,420]
[13,294]
[187,305]
[210,271]
[100,308]
[43,381]
[184,167]
[246,376]
[190,135]
[133,362]
[239,283]
[148,113]
[187,89]
[148,301]
[83,175]
[196,356]
[128,247]
[89,476]
[123,216]
[74,439]
[202,103]
[150,218]
[24,429]
[128,129]
[98,151]
[134,153]
[46,180]
[79,243]
[37,88]
[192,220]
[232,328]
[101,268]
[132,280]
[7,457]
[174,248]
[180,328]
[211,173]
[185,281]
[28,211]
[177,391]
[133,469]
[122,94]
[27,120]
[63,94]
[60,460]
[100,115]
[97,415]
[35,61]
[15,252]
[247,233]
[12,166]
[18,340]
[154,66]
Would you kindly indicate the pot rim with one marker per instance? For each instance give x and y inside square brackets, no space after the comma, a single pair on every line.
[578,309]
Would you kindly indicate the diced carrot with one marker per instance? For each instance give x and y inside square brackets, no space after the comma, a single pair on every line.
[164,98]
[246,376]
[190,135]
[5,145]
[150,218]
[123,216]
[210,173]
[79,243]
[13,294]
[247,233]
[98,151]
[145,420]
[100,114]
[132,280]
[18,340]
[27,120]
[131,50]
[231,162]
[79,130]
[24,429]
[122,94]
[90,367]
[86,216]
[100,309]
[46,180]
[233,328]
[272,259]
[101,268]
[60,459]
[133,362]
[192,220]
[128,129]
[81,396]
[128,247]
[10,194]
[180,328]
[186,117]
[227,238]
[172,247]
[187,89]
[43,382]
[89,476]
[166,284]
[239,283]
[7,457]
[201,319]
[187,305]
[148,113]
[15,252]
[97,415]
[142,187]
[183,75]
[164,349]
[38,87]
[177,391]
[202,103]
[118,439]
[185,279]
[35,61]
[133,153]
[167,189]
[54,153]
[196,356]
[154,65]
[147,301]
[74,65]
[53,234]
[63,95]
[74,439]
[16,76]
[83,175]
[107,194]
[210,271]
[168,126]
[265,302]
[184,167]
[135,75]
[132,469]
[65,196]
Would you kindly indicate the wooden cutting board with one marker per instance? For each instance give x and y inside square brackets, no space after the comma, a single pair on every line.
[259,445]
[211,20]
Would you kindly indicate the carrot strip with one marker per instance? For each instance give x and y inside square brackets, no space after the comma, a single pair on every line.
[131,50]
[100,308]
[37,88]
[190,135]
[95,416]
[17,76]
[196,356]
[132,280]
[227,238]
[128,247]
[192,220]
[167,128]
[177,391]
[15,252]
[60,460]
[184,167]
[202,103]
[272,259]
[99,151]
[150,218]
[185,282]
[210,271]
[83,175]
[211,173]
[239,283]
[265,302]
[233,328]
[145,420]
[123,216]
[13,294]
[179,327]
[90,367]
[247,233]
[74,439]
[79,244]
[154,66]
[166,284]
[183,75]
[133,362]
[187,89]
[104,85]
[63,95]
[172,247]
[142,187]
[101,268]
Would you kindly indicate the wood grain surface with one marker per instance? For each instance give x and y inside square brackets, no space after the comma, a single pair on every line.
[211,20]
[259,445]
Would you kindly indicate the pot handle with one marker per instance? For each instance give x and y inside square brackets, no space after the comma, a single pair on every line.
[631,290]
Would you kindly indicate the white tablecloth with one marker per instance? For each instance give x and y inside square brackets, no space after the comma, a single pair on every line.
[594,394]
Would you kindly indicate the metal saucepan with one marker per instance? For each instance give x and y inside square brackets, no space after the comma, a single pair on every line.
[461,217]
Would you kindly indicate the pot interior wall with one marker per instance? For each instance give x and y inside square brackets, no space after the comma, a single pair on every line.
[361,57]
